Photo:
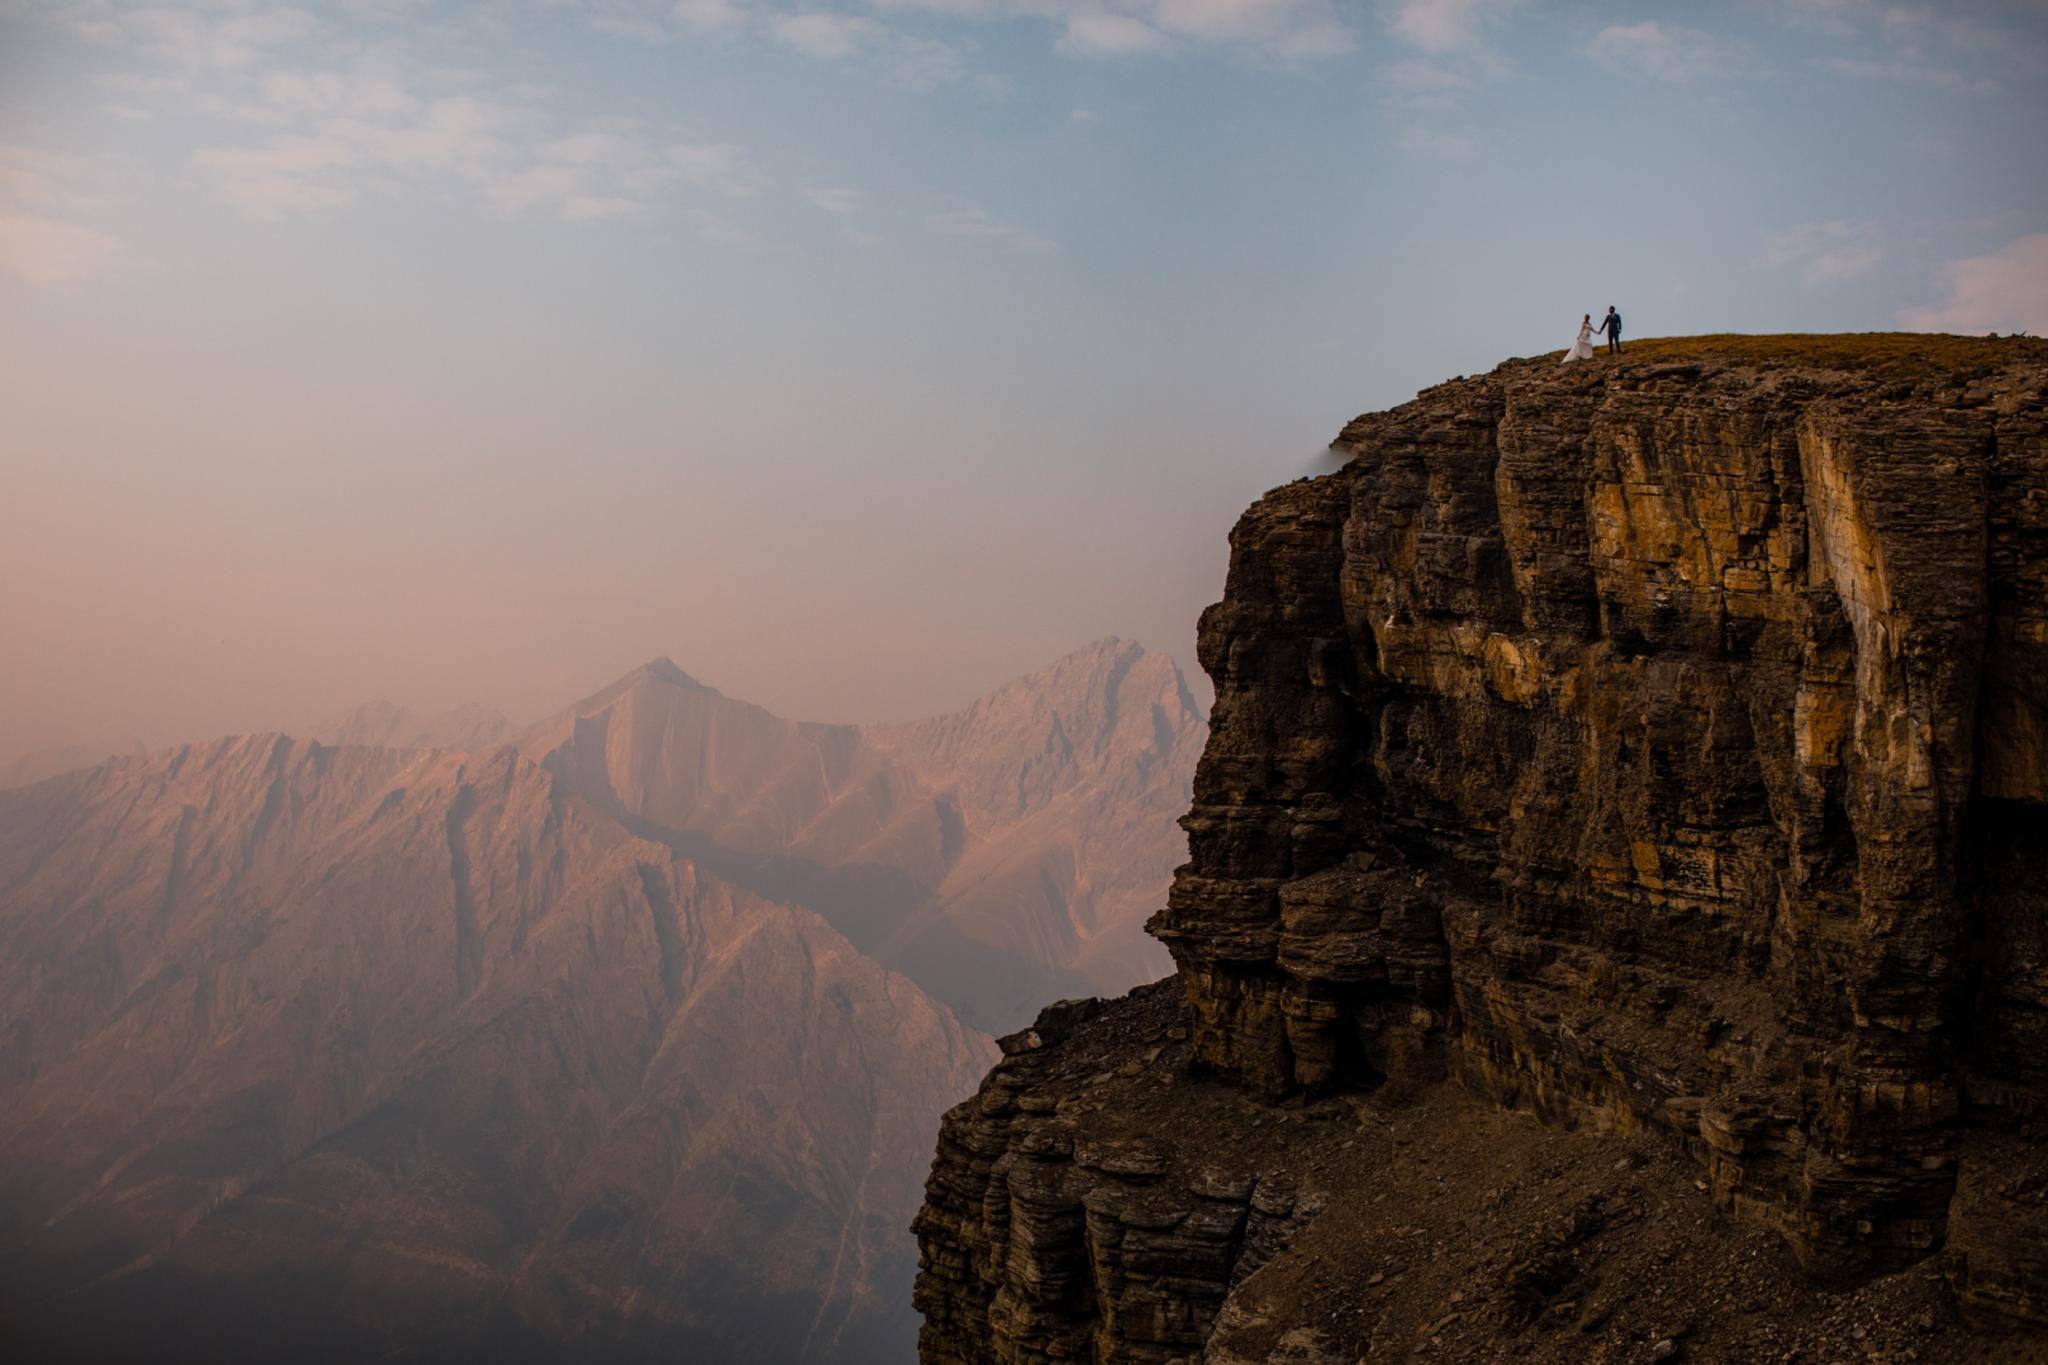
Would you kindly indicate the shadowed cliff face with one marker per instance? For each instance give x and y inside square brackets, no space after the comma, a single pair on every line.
[1657,747]
[1000,856]
[333,1050]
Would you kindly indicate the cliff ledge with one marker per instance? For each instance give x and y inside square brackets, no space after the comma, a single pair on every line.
[1616,923]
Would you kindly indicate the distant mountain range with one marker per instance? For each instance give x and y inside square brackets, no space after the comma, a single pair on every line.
[1001,856]
[377,724]
[622,1037]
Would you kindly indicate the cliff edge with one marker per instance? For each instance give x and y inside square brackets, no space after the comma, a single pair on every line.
[1616,923]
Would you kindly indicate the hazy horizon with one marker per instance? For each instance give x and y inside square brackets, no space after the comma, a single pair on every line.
[1601,890]
[310,724]
[858,358]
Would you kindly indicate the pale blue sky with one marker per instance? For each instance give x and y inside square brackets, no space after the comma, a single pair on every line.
[860,356]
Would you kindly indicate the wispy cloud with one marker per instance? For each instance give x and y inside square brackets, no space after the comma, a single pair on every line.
[1272,30]
[1453,56]
[286,175]
[1431,143]
[1942,46]
[915,63]
[1423,84]
[1665,52]
[196,38]
[822,34]
[41,241]
[718,16]
[591,177]
[1446,26]
[662,21]
[903,60]
[1896,69]
[833,200]
[1921,30]
[1828,253]
[334,119]
[1306,30]
[52,251]
[976,224]
[2006,291]
[1288,31]
[1101,34]
[33,178]
[1824,16]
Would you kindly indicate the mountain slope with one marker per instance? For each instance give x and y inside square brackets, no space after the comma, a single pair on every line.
[1001,856]
[370,1046]
[1070,784]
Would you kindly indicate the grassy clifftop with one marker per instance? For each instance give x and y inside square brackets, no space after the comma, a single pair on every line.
[1842,350]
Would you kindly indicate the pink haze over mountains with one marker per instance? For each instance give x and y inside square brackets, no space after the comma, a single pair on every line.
[226,552]
[618,1035]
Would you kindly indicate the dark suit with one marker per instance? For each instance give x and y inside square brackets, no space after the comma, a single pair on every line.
[1611,325]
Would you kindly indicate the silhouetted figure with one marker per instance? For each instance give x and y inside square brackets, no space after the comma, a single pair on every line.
[1611,325]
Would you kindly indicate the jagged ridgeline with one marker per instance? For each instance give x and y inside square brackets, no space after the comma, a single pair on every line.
[1658,748]
[619,1038]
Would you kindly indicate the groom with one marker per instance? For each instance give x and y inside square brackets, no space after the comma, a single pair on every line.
[1611,326]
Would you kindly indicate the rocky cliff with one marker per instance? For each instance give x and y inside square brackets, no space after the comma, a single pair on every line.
[1655,749]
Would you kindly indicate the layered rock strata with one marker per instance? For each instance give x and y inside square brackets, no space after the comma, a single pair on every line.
[1660,747]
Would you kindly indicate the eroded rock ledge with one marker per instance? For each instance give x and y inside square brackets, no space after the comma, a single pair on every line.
[1660,748]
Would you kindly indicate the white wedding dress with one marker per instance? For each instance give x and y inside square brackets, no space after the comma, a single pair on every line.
[1582,349]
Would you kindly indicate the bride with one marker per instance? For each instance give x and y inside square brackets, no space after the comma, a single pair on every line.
[1582,349]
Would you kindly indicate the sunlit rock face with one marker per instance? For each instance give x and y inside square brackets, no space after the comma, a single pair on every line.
[334,1053]
[1659,746]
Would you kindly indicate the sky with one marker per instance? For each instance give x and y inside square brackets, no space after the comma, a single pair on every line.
[859,356]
